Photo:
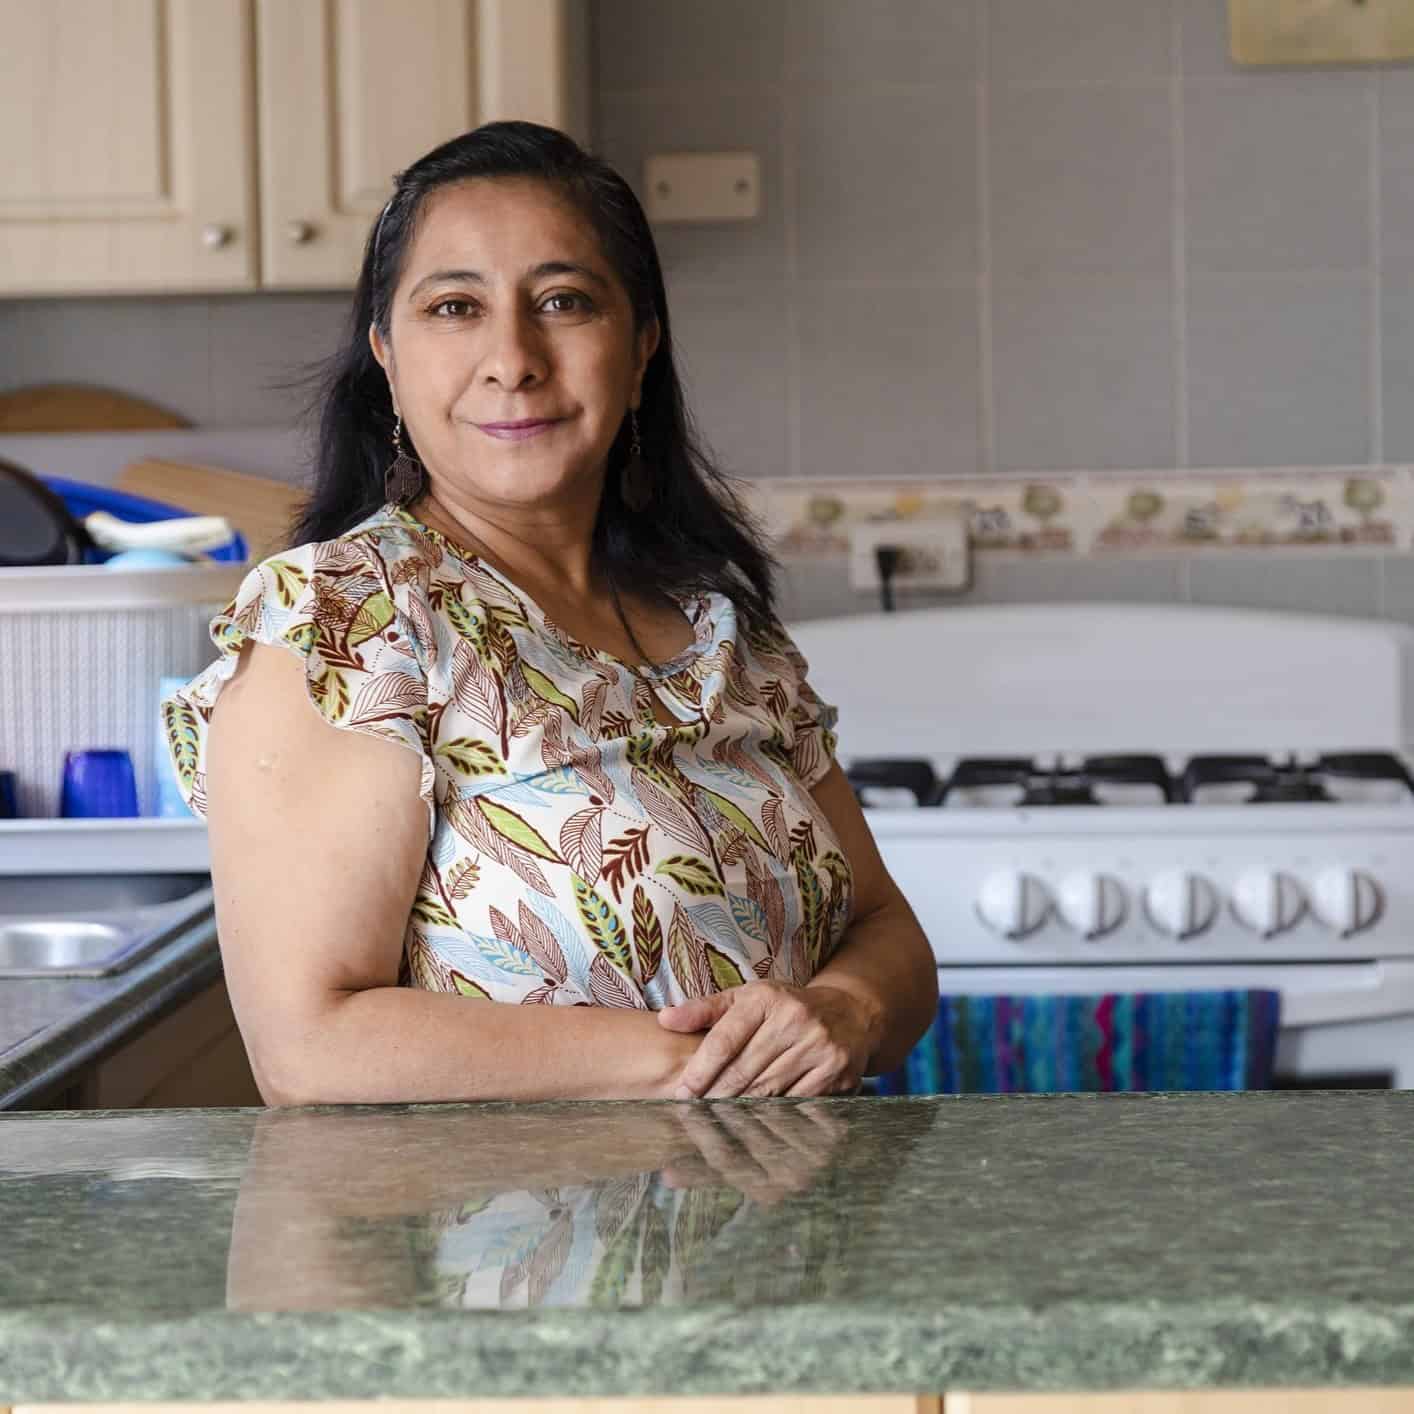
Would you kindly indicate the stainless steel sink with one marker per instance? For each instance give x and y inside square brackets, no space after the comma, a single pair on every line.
[93,925]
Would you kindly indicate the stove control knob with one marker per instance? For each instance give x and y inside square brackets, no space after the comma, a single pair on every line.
[1267,902]
[1093,904]
[1345,900]
[1013,904]
[1181,904]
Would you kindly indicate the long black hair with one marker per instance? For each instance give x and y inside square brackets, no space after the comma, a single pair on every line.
[695,535]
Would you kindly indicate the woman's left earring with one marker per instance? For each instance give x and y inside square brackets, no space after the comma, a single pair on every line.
[636,481]
[405,478]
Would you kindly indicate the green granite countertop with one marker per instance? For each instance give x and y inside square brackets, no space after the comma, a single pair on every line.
[51,1027]
[1048,1242]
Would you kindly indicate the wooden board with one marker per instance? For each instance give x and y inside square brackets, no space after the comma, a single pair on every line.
[74,407]
[260,507]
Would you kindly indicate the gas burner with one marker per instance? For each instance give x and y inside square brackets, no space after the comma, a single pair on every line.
[1292,781]
[1060,785]
[981,782]
[894,774]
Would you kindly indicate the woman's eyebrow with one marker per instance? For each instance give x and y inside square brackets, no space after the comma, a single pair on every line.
[536,272]
[567,267]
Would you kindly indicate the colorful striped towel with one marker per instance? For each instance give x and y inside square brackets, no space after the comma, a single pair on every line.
[991,1045]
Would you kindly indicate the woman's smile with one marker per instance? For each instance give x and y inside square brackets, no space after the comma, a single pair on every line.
[521,430]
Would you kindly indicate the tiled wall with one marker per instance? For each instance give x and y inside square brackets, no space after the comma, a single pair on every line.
[222,361]
[997,235]
[1015,234]
[1022,236]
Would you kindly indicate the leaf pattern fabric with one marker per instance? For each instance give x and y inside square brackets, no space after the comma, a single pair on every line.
[580,851]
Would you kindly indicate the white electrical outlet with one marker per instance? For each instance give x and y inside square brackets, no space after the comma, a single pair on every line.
[933,551]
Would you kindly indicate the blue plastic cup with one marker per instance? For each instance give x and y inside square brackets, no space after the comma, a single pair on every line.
[98,785]
[9,796]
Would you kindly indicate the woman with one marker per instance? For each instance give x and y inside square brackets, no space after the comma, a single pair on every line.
[513,722]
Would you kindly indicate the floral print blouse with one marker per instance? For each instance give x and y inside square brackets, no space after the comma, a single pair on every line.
[580,851]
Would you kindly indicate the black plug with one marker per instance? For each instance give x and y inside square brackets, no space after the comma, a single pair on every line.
[887,558]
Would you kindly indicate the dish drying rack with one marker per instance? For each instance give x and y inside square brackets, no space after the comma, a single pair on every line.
[83,650]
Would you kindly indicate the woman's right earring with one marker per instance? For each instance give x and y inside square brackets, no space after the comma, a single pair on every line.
[636,481]
[405,477]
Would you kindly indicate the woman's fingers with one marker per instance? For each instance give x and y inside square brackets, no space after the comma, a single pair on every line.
[723,1044]
[695,1014]
[767,1039]
[760,1068]
[820,1081]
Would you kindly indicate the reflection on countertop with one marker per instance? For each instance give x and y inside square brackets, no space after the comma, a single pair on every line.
[468,1206]
[912,1244]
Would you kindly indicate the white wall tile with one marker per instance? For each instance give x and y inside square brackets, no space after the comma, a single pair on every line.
[1084,371]
[663,43]
[1277,174]
[1279,370]
[1397,588]
[888,380]
[886,182]
[1397,366]
[1082,178]
[260,346]
[731,343]
[1017,579]
[156,348]
[885,41]
[1396,102]
[1080,39]
[1301,582]
[1204,48]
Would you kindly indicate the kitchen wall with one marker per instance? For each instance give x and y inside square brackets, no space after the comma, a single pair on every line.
[998,236]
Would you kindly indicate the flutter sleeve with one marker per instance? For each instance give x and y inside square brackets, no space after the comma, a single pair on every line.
[334,605]
[807,721]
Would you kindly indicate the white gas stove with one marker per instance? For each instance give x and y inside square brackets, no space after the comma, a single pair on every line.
[1086,798]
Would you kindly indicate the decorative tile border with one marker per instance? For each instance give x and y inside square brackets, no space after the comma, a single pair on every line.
[1107,514]
[1365,509]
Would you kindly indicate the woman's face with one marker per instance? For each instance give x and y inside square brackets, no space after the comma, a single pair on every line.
[512,353]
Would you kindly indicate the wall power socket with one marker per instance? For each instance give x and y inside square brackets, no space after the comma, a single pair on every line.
[934,552]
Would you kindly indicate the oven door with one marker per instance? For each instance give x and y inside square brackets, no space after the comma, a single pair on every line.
[1343,1025]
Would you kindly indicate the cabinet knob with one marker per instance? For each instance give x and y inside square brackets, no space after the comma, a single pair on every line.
[213,237]
[300,232]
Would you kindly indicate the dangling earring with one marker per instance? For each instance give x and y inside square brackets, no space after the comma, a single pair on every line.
[635,481]
[405,477]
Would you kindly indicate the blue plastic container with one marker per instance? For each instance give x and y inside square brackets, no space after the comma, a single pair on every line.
[82,499]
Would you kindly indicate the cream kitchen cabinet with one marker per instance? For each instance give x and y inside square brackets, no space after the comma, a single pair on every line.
[353,91]
[149,149]
[129,158]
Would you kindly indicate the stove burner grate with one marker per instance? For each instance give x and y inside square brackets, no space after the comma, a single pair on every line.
[1273,782]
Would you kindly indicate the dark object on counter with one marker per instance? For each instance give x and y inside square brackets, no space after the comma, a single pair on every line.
[36,527]
[9,796]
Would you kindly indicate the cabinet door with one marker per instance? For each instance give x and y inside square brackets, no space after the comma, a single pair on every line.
[192,1058]
[353,91]
[128,156]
